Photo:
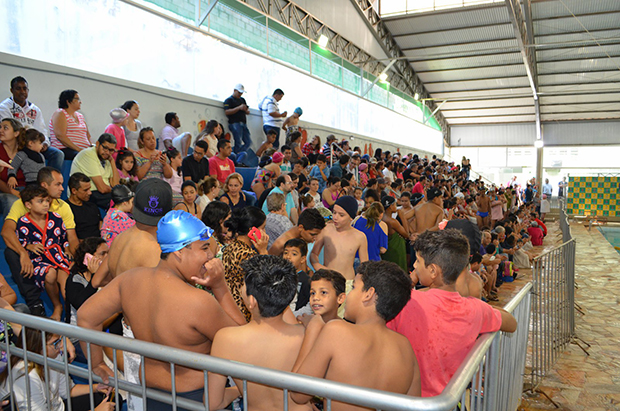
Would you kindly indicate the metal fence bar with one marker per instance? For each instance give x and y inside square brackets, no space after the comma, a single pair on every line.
[475,367]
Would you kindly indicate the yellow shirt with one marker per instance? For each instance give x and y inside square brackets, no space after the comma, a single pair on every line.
[18,210]
[87,162]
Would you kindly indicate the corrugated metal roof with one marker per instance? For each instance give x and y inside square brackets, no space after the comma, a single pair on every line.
[470,57]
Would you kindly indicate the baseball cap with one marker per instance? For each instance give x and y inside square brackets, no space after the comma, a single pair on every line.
[153,199]
[239,87]
[387,201]
[178,229]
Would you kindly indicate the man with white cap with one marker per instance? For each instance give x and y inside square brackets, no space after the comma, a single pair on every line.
[163,305]
[236,110]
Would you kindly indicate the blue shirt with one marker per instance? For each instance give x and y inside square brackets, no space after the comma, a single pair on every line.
[290,203]
[336,170]
[375,237]
[316,173]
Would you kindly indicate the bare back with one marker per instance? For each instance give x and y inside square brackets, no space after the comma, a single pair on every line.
[369,356]
[274,347]
[164,309]
[428,215]
[133,248]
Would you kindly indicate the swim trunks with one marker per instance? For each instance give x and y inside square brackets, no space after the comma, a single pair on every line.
[196,395]
[483,214]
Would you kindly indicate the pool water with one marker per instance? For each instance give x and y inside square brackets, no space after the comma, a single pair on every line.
[612,234]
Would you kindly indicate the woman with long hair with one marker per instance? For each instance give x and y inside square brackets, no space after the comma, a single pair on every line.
[133,126]
[374,229]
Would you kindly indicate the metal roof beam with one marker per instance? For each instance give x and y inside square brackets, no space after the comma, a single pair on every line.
[445,30]
[464,57]
[440,12]
[382,34]
[469,68]
[522,23]
[581,58]
[461,43]
[465,80]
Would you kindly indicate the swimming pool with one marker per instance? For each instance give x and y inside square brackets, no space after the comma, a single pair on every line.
[612,234]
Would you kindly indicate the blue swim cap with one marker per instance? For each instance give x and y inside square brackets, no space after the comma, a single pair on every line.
[299,111]
[178,229]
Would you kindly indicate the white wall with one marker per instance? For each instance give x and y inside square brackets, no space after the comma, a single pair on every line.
[111,40]
[99,94]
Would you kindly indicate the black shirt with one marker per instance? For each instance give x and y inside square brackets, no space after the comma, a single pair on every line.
[87,218]
[193,169]
[239,116]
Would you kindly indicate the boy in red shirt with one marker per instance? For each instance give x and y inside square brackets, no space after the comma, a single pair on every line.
[441,325]
[220,166]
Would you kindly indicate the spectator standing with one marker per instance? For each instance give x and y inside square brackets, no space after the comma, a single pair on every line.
[68,130]
[172,137]
[236,109]
[272,118]
[195,166]
[221,166]
[86,214]
[152,163]
[291,124]
[97,163]
[28,114]
[374,229]
[295,142]
[133,126]
[116,128]
[547,188]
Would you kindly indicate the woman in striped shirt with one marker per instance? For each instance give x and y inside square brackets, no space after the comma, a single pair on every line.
[68,130]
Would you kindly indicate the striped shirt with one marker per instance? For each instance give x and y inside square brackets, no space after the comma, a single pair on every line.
[76,131]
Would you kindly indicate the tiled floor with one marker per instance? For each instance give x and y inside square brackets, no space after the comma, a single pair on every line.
[580,381]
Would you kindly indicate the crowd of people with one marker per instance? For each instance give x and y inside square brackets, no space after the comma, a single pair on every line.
[323,232]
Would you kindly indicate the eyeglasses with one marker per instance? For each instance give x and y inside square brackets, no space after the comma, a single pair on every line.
[56,343]
[109,149]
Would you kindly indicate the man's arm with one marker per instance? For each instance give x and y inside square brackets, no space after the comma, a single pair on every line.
[435,226]
[509,322]
[316,251]
[116,178]
[363,250]
[396,226]
[73,240]
[294,215]
[100,185]
[93,313]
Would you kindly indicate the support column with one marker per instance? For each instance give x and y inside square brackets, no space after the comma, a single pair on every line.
[539,145]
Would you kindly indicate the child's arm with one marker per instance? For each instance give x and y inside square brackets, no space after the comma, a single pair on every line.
[220,396]
[509,322]
[415,389]
[316,252]
[16,163]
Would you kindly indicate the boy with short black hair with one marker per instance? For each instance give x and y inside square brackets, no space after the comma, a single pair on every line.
[441,325]
[327,293]
[365,353]
[269,287]
[295,251]
[44,235]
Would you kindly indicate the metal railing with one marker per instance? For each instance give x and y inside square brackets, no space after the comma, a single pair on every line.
[490,378]
[553,304]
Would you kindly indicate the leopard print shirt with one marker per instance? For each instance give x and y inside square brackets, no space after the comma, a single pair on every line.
[232,257]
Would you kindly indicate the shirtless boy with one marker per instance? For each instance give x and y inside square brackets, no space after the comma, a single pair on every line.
[309,226]
[341,242]
[366,353]
[327,293]
[150,299]
[429,215]
[484,208]
[270,285]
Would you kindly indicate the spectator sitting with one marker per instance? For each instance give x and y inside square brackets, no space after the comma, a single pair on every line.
[68,130]
[116,128]
[428,320]
[208,190]
[313,191]
[127,168]
[28,159]
[17,256]
[196,166]
[332,192]
[321,172]
[152,163]
[28,114]
[312,149]
[133,126]
[535,233]
[266,173]
[171,137]
[284,185]
[190,193]
[270,138]
[339,168]
[209,136]
[220,166]
[286,167]
[214,216]
[307,201]
[98,164]
[46,247]
[296,251]
[175,159]
[10,132]
[278,221]
[117,219]
[86,214]
[233,193]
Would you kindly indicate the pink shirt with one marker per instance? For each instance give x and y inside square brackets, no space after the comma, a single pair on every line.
[119,133]
[221,169]
[76,131]
[418,188]
[114,223]
[442,327]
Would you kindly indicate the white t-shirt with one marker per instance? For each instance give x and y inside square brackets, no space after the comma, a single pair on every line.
[270,105]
